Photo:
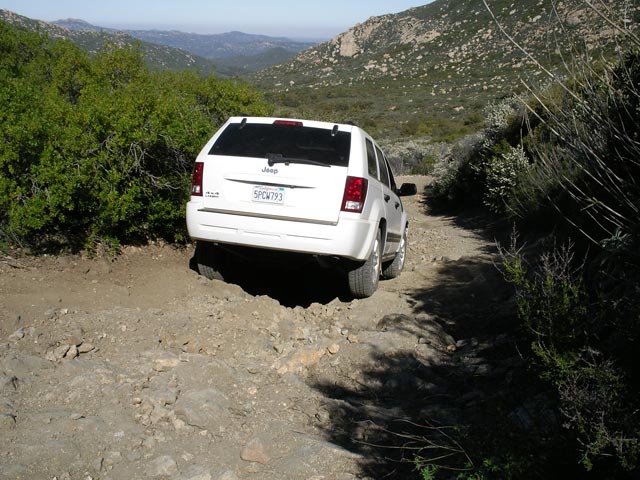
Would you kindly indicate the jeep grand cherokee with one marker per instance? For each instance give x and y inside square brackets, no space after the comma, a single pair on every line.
[306,187]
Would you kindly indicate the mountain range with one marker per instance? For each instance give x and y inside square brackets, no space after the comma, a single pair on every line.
[232,53]
[429,71]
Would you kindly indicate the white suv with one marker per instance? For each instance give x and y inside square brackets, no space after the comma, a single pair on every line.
[317,188]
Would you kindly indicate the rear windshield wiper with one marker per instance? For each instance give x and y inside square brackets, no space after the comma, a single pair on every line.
[273,158]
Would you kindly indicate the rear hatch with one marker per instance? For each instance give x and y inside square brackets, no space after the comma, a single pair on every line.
[283,170]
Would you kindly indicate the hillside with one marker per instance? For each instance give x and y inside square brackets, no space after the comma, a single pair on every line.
[430,70]
[157,57]
[219,46]
[243,65]
[235,52]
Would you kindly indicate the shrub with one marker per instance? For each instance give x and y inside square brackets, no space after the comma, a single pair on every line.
[414,156]
[502,176]
[578,353]
[588,146]
[483,168]
[457,180]
[100,150]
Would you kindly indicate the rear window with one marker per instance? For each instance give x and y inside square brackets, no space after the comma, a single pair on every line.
[258,140]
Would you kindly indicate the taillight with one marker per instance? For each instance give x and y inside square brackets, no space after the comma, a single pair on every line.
[196,180]
[289,123]
[355,193]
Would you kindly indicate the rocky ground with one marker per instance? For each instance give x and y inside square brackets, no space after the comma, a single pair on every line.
[137,367]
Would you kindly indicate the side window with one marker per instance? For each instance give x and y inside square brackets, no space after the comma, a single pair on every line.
[372,166]
[394,187]
[382,163]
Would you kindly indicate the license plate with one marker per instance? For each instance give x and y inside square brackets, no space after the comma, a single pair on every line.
[266,194]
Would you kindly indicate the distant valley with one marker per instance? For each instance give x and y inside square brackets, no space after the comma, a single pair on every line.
[228,54]
[236,51]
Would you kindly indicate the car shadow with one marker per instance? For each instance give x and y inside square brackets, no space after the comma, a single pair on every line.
[461,401]
[293,282]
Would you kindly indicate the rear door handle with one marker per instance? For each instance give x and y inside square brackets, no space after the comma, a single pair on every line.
[387,197]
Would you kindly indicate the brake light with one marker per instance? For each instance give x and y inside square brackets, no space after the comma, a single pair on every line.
[196,180]
[290,123]
[355,193]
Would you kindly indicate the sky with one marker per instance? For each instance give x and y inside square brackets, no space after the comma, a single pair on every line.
[321,19]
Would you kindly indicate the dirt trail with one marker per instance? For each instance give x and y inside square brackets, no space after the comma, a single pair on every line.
[139,368]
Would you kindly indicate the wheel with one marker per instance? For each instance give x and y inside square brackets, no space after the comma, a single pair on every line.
[393,269]
[209,260]
[363,280]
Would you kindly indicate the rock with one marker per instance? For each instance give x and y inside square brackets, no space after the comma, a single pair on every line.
[227,475]
[429,355]
[74,337]
[254,452]
[164,395]
[333,348]
[434,332]
[8,383]
[196,472]
[203,408]
[17,335]
[6,407]
[72,352]
[160,414]
[98,464]
[7,420]
[394,320]
[86,347]
[483,369]
[58,354]
[402,382]
[298,360]
[323,417]
[23,365]
[162,466]
[165,362]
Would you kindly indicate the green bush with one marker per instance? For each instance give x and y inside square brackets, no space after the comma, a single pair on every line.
[567,159]
[414,156]
[485,168]
[100,150]
[503,172]
[458,176]
[574,350]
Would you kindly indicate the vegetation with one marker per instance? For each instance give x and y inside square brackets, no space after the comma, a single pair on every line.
[100,150]
[562,163]
[430,71]
[93,39]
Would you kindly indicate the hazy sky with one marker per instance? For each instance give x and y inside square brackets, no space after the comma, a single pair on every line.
[290,18]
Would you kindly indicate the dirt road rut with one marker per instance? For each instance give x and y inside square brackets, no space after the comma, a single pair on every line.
[136,367]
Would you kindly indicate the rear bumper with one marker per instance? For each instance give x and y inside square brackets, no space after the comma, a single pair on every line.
[350,238]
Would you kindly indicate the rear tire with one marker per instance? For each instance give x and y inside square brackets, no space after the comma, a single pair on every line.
[209,260]
[393,269]
[363,280]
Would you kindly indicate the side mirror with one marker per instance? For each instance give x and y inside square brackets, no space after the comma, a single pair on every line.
[407,189]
